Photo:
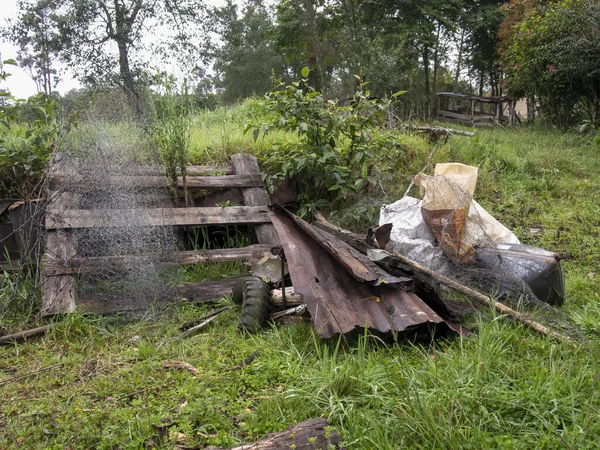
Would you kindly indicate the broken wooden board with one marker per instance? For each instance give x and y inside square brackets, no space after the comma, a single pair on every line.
[83,218]
[209,291]
[147,181]
[308,435]
[59,294]
[247,164]
[136,170]
[76,265]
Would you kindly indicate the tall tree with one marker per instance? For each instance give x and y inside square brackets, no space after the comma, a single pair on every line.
[35,33]
[483,19]
[97,36]
[247,59]
[302,35]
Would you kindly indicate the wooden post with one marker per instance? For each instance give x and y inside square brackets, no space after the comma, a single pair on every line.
[472,111]
[255,196]
[59,293]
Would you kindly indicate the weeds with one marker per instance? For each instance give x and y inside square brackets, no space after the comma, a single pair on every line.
[170,132]
[500,387]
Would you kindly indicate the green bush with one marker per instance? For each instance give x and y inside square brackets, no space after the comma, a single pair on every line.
[336,151]
[29,130]
[554,58]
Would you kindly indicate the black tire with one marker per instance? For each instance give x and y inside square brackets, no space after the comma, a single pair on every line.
[255,297]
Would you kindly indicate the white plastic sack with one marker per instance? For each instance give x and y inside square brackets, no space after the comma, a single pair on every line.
[412,238]
[410,234]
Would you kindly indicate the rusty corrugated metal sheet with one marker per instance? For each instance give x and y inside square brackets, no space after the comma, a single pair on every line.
[341,287]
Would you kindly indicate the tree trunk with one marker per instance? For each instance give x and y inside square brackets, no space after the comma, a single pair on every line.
[459,60]
[530,109]
[124,19]
[127,78]
[436,63]
[427,87]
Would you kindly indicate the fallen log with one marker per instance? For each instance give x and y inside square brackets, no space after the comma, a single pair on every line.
[22,336]
[308,435]
[441,130]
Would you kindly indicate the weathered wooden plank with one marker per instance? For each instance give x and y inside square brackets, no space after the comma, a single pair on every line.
[59,294]
[209,291]
[247,164]
[307,435]
[82,218]
[134,170]
[143,181]
[57,267]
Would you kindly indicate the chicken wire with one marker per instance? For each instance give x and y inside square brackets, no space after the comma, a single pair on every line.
[106,178]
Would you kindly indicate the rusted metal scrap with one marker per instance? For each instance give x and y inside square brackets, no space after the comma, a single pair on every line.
[341,287]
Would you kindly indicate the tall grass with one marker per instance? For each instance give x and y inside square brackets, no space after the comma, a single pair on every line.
[499,387]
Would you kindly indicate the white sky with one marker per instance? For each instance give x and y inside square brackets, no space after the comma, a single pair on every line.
[20,83]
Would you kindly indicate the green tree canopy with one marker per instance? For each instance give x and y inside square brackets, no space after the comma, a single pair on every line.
[554,56]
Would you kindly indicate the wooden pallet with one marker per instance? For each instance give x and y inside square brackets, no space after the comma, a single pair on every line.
[61,264]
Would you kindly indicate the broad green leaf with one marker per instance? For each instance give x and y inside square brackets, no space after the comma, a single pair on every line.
[305,71]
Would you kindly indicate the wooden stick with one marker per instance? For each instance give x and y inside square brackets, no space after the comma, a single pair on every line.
[28,374]
[194,330]
[194,322]
[24,335]
[297,310]
[180,365]
[381,255]
[291,298]
[443,130]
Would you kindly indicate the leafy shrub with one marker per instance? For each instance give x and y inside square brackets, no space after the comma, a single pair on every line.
[336,151]
[170,131]
[29,130]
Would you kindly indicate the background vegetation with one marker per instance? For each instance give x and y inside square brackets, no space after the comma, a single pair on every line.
[501,387]
[336,134]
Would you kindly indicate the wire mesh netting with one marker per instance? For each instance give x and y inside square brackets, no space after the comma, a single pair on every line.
[132,266]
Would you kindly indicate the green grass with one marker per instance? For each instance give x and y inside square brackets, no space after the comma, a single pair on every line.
[501,387]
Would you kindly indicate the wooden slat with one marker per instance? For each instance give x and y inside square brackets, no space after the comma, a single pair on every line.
[155,170]
[247,164]
[81,218]
[59,294]
[56,267]
[200,292]
[209,291]
[143,181]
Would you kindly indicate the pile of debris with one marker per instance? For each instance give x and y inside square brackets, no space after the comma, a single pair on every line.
[394,278]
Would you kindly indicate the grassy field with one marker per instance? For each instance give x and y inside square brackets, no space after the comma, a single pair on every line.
[501,387]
